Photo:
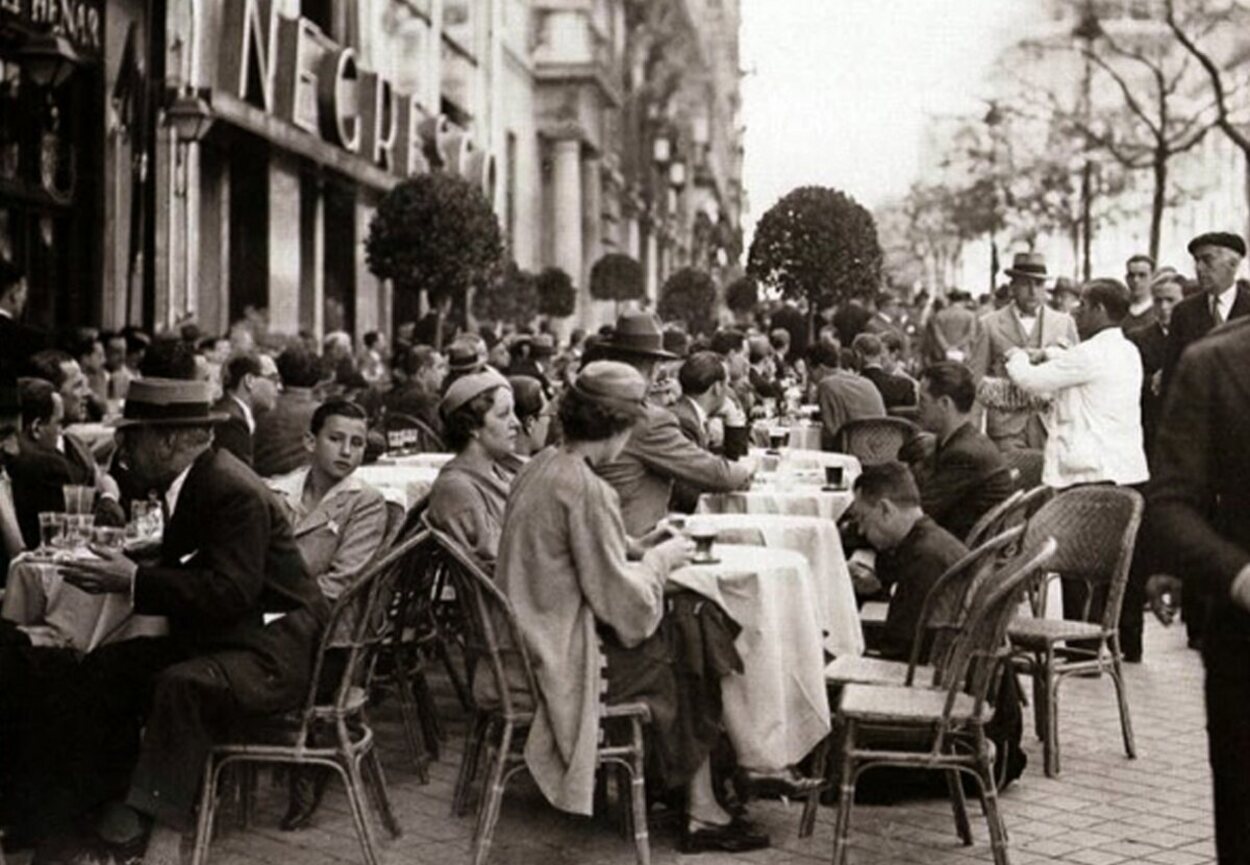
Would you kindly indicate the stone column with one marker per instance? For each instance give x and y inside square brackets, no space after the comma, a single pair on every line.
[284,243]
[566,177]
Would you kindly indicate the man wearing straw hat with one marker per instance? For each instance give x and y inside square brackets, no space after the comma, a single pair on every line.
[244,616]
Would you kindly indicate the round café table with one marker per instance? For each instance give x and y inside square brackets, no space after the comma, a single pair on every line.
[818,541]
[426,460]
[777,711]
[37,595]
[805,461]
[793,494]
[804,435]
[402,484]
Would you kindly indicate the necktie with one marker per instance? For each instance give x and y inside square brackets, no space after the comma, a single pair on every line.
[1216,315]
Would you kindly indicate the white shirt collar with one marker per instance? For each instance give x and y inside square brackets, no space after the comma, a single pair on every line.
[247,414]
[1225,300]
[175,490]
[1140,307]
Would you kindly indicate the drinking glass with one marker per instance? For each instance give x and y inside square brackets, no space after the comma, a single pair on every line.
[78,529]
[145,521]
[51,531]
[108,537]
[79,499]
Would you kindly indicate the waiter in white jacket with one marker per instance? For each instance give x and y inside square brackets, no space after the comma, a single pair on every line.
[1094,421]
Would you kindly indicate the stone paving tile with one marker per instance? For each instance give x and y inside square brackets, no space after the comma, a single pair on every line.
[1102,810]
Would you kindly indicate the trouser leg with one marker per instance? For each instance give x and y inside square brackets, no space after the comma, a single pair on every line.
[1228,731]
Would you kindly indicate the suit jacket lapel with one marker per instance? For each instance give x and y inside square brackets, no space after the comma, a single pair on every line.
[1241,303]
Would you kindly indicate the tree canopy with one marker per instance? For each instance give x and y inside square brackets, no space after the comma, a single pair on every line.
[742,295]
[818,244]
[689,295]
[616,276]
[435,232]
[557,297]
[513,298]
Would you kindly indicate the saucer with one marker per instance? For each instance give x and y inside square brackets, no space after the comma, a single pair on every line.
[713,560]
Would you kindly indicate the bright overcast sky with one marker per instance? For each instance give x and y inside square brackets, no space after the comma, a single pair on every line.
[837,91]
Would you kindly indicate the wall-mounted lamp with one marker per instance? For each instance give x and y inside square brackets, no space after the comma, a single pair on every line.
[48,59]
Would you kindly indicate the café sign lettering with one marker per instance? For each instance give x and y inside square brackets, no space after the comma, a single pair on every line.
[289,68]
[79,21]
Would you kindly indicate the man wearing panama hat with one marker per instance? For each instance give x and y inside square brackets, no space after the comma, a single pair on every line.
[1025,323]
[657,455]
[227,563]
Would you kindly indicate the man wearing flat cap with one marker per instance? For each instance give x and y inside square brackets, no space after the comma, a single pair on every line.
[657,454]
[1217,257]
[244,616]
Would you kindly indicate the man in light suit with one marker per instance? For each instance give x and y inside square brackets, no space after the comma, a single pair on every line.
[657,454]
[1026,323]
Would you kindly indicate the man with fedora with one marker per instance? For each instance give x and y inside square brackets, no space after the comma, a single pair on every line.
[244,617]
[657,454]
[1025,323]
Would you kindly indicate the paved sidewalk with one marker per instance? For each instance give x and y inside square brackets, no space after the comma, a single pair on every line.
[1104,809]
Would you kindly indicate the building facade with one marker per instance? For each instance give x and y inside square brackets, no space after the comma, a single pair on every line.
[225,158]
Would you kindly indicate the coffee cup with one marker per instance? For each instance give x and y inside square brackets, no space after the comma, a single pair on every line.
[778,438]
[704,536]
[835,476]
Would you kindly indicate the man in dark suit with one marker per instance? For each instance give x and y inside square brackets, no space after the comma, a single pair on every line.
[250,384]
[1200,512]
[278,443]
[244,616]
[896,390]
[1152,342]
[1217,256]
[964,475]
[704,389]
[17,341]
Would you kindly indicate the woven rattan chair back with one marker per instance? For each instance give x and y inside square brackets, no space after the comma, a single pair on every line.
[948,603]
[981,644]
[1026,467]
[991,522]
[407,434]
[875,440]
[1096,530]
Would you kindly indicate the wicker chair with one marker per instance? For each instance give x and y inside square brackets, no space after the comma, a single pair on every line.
[989,523]
[942,728]
[1096,528]
[290,740]
[502,725]
[406,434]
[1026,467]
[875,440]
[1015,510]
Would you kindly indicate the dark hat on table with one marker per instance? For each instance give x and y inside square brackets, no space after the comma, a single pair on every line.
[614,385]
[1030,265]
[169,402]
[1226,239]
[637,334]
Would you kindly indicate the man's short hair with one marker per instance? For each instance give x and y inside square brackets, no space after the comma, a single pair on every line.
[891,341]
[725,341]
[336,407]
[868,346]
[48,365]
[1141,256]
[892,480]
[700,372]
[169,357]
[1111,294]
[779,338]
[298,367]
[10,276]
[824,354]
[236,368]
[417,358]
[38,400]
[371,339]
[951,378]
[82,342]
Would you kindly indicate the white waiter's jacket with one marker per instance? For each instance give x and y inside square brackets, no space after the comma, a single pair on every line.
[1095,417]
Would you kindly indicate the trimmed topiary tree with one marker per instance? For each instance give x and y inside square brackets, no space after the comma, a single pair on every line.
[689,295]
[617,277]
[513,298]
[435,233]
[742,295]
[817,244]
[557,298]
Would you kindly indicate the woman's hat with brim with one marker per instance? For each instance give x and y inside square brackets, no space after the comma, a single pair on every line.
[637,334]
[469,387]
[169,402]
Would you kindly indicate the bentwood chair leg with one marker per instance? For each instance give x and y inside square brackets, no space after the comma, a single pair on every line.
[846,796]
[959,805]
[989,791]
[412,724]
[820,765]
[208,808]
[381,798]
[355,782]
[1050,743]
[638,795]
[1121,694]
[492,798]
[1038,670]
[479,725]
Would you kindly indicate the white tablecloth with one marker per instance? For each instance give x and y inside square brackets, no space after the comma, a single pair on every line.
[429,460]
[818,541]
[807,460]
[404,485]
[777,710]
[804,435]
[36,595]
[793,495]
